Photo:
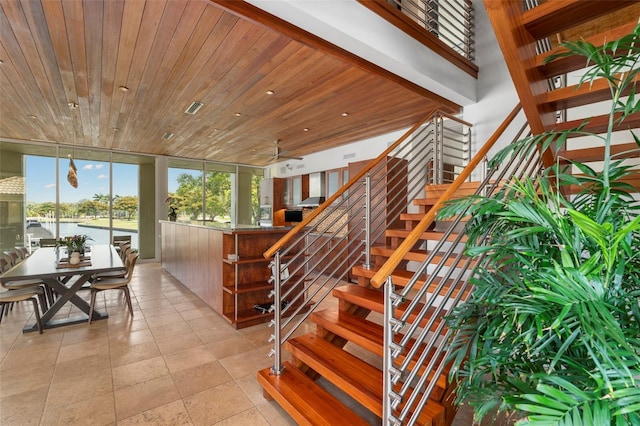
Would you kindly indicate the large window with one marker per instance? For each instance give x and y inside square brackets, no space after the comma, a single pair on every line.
[104,202]
[227,195]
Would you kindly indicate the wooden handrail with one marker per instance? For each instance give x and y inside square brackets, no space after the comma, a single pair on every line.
[396,257]
[289,235]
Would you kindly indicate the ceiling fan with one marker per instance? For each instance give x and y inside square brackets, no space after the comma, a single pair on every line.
[278,155]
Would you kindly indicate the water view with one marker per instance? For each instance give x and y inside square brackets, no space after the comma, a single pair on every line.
[98,235]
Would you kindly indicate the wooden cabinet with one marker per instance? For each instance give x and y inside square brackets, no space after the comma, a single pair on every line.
[295,189]
[224,267]
[245,280]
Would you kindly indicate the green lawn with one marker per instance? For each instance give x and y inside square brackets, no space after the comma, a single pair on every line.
[117,223]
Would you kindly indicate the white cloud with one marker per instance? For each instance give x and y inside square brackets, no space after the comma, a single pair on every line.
[50,185]
[88,167]
[102,176]
[99,166]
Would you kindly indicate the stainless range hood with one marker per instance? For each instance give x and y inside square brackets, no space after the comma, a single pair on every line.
[316,191]
[311,202]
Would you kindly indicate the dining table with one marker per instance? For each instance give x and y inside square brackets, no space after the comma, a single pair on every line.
[52,266]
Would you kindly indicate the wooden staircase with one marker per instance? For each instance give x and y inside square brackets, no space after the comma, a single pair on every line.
[357,320]
[346,348]
[594,21]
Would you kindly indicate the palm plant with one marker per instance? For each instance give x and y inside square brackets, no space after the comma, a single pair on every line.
[551,330]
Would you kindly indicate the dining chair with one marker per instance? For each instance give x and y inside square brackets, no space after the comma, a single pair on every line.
[23,252]
[11,254]
[125,252]
[9,297]
[118,240]
[114,284]
[24,284]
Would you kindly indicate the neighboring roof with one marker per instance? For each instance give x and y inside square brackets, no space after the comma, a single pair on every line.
[12,185]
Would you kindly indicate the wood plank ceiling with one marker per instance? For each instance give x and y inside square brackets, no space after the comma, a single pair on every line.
[65,65]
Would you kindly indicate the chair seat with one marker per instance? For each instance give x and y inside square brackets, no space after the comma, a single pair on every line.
[112,274]
[20,294]
[15,285]
[108,284]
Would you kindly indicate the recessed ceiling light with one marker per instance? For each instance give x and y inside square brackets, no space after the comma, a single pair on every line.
[167,136]
[123,88]
[115,129]
[270,92]
[306,129]
[1,61]
[237,114]
[72,105]
[345,114]
[33,117]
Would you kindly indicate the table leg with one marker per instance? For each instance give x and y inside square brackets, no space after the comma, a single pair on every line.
[66,294]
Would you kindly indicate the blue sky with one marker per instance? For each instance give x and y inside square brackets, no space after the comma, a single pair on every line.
[93,178]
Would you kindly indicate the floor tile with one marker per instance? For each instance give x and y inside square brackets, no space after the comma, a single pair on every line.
[173,413]
[125,354]
[201,377]
[216,404]
[96,411]
[188,358]
[178,343]
[139,372]
[23,408]
[69,390]
[246,363]
[252,417]
[145,396]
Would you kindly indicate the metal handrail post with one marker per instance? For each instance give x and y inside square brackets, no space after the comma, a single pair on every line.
[440,148]
[387,360]
[367,222]
[277,307]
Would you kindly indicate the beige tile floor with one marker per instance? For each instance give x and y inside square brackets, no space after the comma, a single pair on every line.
[175,362]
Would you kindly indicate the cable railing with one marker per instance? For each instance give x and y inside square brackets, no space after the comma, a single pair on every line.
[451,21]
[321,252]
[416,349]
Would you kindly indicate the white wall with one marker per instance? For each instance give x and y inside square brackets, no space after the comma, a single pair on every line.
[334,158]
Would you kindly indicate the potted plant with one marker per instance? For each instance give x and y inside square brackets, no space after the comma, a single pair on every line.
[75,243]
[172,210]
[551,330]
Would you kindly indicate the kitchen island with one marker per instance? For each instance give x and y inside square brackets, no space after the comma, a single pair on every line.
[223,265]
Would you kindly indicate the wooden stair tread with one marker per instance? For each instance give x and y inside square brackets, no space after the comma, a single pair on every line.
[360,380]
[401,278]
[363,333]
[553,17]
[427,235]
[578,95]
[415,255]
[573,63]
[304,400]
[585,155]
[373,300]
[598,124]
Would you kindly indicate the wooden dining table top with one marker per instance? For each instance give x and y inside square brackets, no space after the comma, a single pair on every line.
[43,263]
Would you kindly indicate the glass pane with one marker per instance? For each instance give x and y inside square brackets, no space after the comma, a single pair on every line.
[218,196]
[297,190]
[247,199]
[84,203]
[332,183]
[126,207]
[185,192]
[41,199]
